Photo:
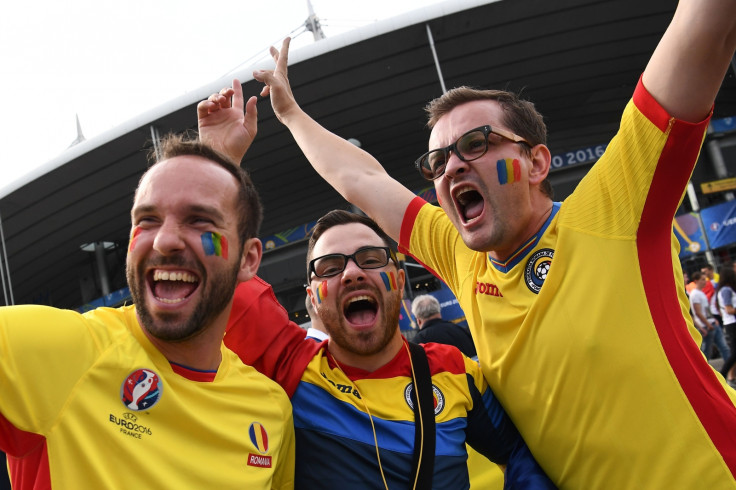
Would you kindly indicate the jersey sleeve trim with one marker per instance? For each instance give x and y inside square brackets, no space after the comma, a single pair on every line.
[410,217]
[707,396]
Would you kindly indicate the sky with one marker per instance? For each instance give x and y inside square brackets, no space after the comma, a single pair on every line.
[109,61]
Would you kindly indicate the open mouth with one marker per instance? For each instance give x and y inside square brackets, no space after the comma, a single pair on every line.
[172,287]
[469,203]
[360,311]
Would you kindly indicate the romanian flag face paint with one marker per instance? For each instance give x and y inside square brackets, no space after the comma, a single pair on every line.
[214,244]
[133,238]
[321,291]
[509,170]
[389,280]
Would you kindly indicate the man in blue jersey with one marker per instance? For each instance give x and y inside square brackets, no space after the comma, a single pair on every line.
[352,397]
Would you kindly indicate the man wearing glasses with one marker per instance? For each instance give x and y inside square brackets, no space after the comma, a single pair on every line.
[352,395]
[606,397]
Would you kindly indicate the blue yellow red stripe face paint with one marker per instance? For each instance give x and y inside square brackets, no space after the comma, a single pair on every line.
[509,170]
[321,291]
[214,244]
[133,238]
[389,280]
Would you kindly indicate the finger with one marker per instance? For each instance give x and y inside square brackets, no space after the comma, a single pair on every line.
[251,114]
[283,58]
[237,91]
[203,109]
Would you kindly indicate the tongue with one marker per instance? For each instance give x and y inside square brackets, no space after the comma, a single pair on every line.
[473,209]
[173,289]
[361,317]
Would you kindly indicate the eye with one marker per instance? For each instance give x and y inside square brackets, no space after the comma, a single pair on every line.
[472,143]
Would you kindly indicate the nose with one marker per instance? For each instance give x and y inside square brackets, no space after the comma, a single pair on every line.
[455,166]
[352,273]
[168,238]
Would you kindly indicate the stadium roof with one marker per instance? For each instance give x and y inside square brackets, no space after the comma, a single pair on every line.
[578,60]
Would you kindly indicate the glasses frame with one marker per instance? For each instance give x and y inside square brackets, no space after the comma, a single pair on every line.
[390,257]
[486,130]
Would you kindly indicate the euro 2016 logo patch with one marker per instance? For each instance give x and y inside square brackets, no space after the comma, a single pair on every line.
[141,390]
[537,268]
[439,398]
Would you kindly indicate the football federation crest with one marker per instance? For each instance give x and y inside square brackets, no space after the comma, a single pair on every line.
[259,438]
[537,268]
[437,395]
[141,390]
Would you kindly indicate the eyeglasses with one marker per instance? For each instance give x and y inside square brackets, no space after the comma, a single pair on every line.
[468,147]
[365,258]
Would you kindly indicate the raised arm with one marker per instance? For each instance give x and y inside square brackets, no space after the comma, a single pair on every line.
[224,125]
[688,66]
[354,173]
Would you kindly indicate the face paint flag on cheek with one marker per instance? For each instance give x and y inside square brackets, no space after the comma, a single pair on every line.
[321,291]
[509,170]
[389,280]
[133,238]
[214,244]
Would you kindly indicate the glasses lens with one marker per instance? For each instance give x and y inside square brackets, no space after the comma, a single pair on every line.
[371,258]
[472,145]
[329,265]
[432,164]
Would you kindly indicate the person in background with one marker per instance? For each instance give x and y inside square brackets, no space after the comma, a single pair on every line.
[709,327]
[432,328]
[726,297]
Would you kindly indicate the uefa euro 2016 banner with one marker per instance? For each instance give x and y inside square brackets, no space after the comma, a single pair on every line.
[719,225]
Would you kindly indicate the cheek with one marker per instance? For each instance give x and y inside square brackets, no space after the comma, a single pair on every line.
[133,238]
[509,170]
[321,292]
[389,281]
[214,244]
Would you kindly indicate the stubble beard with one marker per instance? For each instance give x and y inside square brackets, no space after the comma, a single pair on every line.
[369,342]
[169,326]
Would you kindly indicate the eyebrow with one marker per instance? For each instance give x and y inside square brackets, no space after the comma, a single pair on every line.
[193,209]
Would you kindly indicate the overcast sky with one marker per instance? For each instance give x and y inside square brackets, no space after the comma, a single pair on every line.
[109,61]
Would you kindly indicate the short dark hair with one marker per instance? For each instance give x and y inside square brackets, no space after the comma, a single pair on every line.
[338,217]
[696,276]
[250,209]
[520,116]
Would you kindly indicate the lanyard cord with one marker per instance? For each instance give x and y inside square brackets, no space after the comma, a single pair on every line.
[370,417]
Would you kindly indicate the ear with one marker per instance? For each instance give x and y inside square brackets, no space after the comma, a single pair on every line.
[311,298]
[541,159]
[250,260]
[401,279]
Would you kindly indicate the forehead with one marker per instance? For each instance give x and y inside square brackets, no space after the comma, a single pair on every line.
[465,117]
[346,239]
[186,179]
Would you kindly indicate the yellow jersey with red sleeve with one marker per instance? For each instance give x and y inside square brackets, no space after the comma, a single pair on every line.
[86,401]
[584,333]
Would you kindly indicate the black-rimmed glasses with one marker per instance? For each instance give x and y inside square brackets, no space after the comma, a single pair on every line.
[468,147]
[365,258]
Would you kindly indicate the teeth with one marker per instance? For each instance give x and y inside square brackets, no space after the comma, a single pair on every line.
[170,301]
[360,298]
[160,275]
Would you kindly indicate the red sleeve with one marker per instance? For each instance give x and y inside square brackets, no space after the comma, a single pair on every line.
[260,333]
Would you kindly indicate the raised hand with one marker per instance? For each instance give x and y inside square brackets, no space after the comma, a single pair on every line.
[224,125]
[277,83]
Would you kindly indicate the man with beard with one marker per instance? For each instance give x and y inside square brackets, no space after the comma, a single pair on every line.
[352,396]
[147,396]
[606,397]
